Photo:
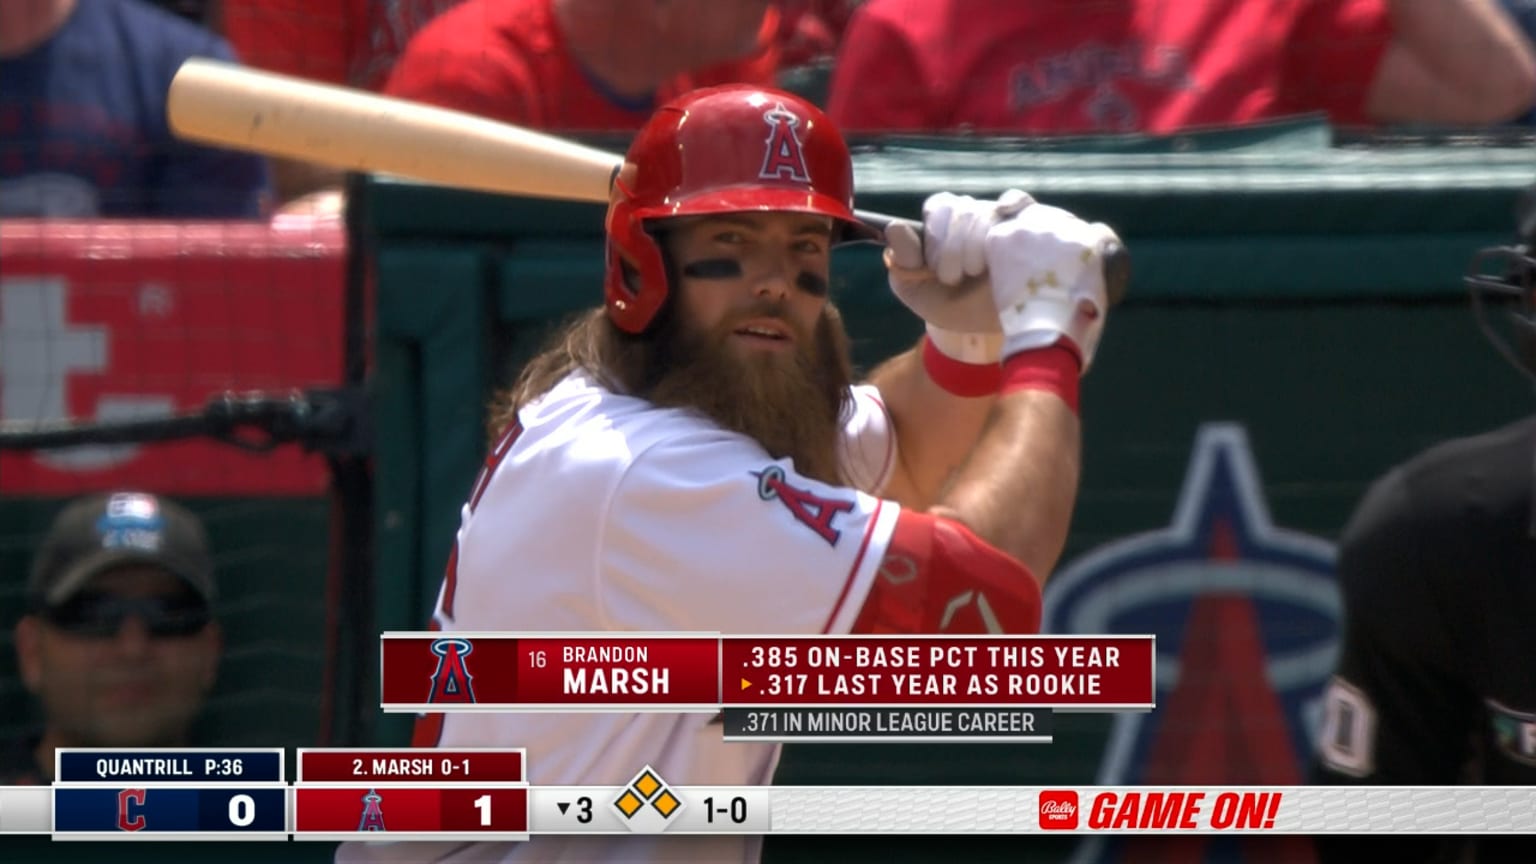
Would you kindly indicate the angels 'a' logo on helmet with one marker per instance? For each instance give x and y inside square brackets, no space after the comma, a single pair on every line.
[783,158]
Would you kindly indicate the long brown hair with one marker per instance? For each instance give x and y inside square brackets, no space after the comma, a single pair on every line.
[591,343]
[647,365]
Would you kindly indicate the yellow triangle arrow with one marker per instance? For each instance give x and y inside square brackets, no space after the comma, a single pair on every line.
[745,683]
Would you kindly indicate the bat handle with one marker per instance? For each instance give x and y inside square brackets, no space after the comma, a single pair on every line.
[1117,259]
[880,221]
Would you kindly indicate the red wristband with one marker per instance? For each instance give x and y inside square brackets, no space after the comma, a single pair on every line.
[959,377]
[1056,368]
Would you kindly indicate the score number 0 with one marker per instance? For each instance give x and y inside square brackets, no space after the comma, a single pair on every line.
[242,810]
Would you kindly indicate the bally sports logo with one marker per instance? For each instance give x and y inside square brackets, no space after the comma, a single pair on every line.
[1058,810]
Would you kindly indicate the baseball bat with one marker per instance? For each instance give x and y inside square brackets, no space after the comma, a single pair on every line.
[227,105]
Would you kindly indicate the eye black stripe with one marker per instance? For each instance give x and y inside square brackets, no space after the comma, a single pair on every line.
[713,268]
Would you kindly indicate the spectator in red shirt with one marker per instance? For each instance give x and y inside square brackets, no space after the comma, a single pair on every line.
[354,43]
[810,30]
[584,65]
[1159,66]
[350,42]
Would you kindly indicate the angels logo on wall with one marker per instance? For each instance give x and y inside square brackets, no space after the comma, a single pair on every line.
[1246,616]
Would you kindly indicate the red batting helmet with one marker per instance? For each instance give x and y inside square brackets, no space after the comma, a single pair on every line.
[719,150]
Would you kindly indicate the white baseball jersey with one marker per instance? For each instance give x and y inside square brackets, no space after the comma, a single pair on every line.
[608,513]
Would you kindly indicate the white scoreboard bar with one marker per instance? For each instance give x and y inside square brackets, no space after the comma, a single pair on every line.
[26,810]
[1045,810]
[649,805]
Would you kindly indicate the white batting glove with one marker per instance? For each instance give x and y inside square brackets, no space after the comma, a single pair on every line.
[941,276]
[1047,275]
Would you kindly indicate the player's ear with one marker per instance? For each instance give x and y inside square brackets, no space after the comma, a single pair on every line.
[29,652]
[622,182]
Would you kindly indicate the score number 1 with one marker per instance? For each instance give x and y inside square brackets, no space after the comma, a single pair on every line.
[484,809]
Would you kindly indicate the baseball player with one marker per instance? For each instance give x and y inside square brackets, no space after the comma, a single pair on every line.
[695,456]
[1436,685]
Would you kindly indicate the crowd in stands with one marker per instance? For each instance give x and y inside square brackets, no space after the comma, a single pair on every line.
[83,84]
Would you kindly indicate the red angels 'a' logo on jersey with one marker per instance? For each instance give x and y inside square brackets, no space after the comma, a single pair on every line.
[783,158]
[812,510]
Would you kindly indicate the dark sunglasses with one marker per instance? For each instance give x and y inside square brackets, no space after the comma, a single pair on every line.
[99,615]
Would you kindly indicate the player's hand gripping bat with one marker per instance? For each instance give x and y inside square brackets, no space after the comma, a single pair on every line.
[214,102]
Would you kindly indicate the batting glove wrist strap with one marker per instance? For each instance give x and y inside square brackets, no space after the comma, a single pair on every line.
[1056,369]
[970,348]
[958,376]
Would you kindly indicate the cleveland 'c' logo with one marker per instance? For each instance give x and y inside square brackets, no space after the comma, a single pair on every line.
[130,810]
[452,681]
[783,158]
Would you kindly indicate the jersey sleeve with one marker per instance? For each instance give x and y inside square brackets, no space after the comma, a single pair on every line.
[1396,711]
[938,577]
[706,532]
[869,442]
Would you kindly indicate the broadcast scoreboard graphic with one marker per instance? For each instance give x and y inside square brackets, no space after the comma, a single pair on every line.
[201,794]
[782,688]
[172,802]
[771,688]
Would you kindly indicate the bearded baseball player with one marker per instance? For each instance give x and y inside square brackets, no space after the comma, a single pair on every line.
[695,455]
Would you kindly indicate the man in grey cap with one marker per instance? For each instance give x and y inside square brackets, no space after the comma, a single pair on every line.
[118,643]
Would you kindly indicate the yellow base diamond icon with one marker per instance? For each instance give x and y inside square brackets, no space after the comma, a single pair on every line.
[647,787]
[647,784]
[628,803]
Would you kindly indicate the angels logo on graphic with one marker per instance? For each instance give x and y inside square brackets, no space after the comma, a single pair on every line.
[1246,616]
[783,158]
[451,682]
[373,814]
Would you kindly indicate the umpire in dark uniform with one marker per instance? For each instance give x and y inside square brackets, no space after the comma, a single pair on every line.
[1436,684]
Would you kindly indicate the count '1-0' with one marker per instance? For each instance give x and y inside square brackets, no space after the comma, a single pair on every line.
[736,809]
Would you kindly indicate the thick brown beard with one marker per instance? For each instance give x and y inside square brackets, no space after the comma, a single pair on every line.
[793,409]
[780,412]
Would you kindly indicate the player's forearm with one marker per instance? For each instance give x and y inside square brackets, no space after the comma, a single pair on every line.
[935,429]
[1018,487]
[1453,61]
